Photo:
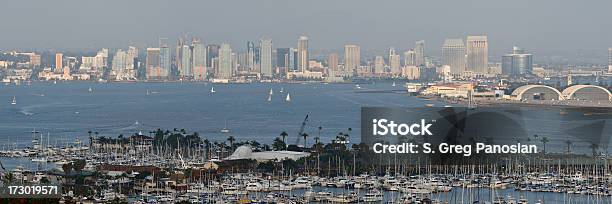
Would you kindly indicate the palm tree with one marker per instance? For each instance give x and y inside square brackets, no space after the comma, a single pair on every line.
[231,140]
[569,144]
[305,135]
[544,141]
[283,135]
[8,178]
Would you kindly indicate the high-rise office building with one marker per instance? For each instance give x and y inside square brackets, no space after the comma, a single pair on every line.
[379,65]
[225,62]
[212,51]
[282,57]
[410,58]
[477,54]
[153,64]
[332,63]
[265,58]
[453,55]
[352,58]
[164,54]
[302,54]
[394,62]
[419,52]
[292,59]
[118,62]
[250,56]
[185,71]
[198,60]
[517,63]
[59,57]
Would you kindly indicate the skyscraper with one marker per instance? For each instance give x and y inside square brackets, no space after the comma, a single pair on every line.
[517,63]
[453,55]
[477,54]
[59,57]
[409,58]
[118,63]
[282,57]
[153,63]
[164,55]
[352,58]
[265,57]
[225,62]
[302,54]
[394,62]
[332,63]
[186,70]
[379,65]
[250,56]
[212,51]
[198,60]
[419,52]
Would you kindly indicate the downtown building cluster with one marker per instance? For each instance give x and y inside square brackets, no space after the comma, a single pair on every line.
[193,60]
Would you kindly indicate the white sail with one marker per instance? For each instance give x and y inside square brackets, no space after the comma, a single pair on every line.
[282,89]
[288,98]
[90,90]
[14,100]
[393,84]
[270,97]
[271,91]
[212,89]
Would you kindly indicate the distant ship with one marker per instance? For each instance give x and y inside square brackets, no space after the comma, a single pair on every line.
[225,130]
[212,89]
[288,98]
[14,102]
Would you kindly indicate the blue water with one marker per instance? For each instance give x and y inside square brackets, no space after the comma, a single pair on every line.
[67,110]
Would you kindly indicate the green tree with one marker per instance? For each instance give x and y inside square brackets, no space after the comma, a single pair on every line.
[278,144]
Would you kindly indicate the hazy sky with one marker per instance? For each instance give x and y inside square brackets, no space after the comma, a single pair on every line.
[536,25]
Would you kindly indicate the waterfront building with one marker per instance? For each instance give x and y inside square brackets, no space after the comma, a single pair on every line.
[332,64]
[212,51]
[411,72]
[153,64]
[225,62]
[453,55]
[394,62]
[410,58]
[118,64]
[185,70]
[379,65]
[419,51]
[250,55]
[265,57]
[352,58]
[164,54]
[477,54]
[282,57]
[302,54]
[59,57]
[198,60]
[516,64]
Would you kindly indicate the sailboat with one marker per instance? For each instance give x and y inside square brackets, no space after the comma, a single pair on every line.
[282,90]
[14,102]
[269,97]
[288,98]
[225,130]
[393,84]
[90,90]
[148,92]
[271,92]
[212,89]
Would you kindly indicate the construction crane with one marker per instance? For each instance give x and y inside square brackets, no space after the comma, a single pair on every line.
[299,135]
